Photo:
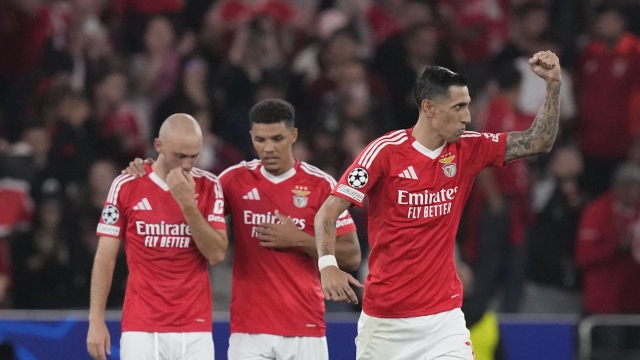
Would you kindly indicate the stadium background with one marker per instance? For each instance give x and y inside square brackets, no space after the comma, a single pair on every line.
[84,85]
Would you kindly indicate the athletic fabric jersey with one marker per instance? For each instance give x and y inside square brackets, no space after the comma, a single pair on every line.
[416,198]
[276,292]
[168,288]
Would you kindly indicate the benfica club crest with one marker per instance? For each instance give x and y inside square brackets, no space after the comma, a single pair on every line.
[300,198]
[449,166]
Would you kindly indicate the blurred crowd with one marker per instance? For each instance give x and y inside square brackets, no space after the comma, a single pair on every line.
[85,85]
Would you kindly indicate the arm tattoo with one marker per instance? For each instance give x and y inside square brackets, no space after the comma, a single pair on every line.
[540,136]
[329,229]
[325,249]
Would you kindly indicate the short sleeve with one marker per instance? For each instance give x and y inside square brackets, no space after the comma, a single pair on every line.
[345,223]
[485,150]
[366,169]
[225,183]
[215,208]
[113,221]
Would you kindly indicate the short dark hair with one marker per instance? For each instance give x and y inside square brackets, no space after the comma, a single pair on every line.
[435,82]
[272,111]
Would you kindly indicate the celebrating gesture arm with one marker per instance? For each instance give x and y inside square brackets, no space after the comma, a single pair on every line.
[540,136]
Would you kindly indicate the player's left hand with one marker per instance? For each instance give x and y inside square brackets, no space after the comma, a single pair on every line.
[182,187]
[281,235]
[546,65]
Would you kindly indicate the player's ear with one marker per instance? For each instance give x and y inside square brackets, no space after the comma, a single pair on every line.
[294,135]
[157,143]
[428,107]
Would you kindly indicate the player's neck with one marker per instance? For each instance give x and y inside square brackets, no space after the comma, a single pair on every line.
[426,135]
[158,169]
[286,167]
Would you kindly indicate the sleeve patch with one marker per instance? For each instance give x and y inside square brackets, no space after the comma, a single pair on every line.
[108,229]
[352,193]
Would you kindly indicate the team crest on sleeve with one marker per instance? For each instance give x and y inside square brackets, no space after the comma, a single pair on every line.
[300,198]
[358,178]
[110,214]
[449,166]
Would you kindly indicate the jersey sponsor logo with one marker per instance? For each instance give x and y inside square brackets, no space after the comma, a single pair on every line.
[218,207]
[427,204]
[216,218]
[252,195]
[143,205]
[110,214]
[358,178]
[143,228]
[164,235]
[409,173]
[344,222]
[352,193]
[449,166]
[300,198]
[255,219]
[109,229]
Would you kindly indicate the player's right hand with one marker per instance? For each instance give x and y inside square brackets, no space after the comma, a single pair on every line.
[335,285]
[98,340]
[136,167]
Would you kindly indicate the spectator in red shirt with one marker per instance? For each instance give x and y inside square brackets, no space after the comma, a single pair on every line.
[478,30]
[117,120]
[15,214]
[157,68]
[609,83]
[504,213]
[605,236]
[611,276]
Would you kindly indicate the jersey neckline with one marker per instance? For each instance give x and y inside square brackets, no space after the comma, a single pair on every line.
[432,154]
[277,179]
[156,179]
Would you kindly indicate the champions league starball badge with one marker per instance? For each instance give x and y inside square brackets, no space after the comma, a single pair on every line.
[110,214]
[358,178]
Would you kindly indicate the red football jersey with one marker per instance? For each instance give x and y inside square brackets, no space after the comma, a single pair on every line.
[276,291]
[168,288]
[416,198]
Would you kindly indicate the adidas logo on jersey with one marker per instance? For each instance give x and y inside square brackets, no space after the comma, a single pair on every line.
[143,205]
[252,195]
[409,173]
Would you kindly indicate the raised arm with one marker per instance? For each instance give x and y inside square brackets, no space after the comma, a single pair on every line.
[540,136]
[335,282]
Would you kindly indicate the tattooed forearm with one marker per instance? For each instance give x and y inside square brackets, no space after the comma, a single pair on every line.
[325,249]
[540,136]
[329,228]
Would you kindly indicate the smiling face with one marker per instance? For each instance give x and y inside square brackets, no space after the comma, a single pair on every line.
[449,114]
[273,143]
